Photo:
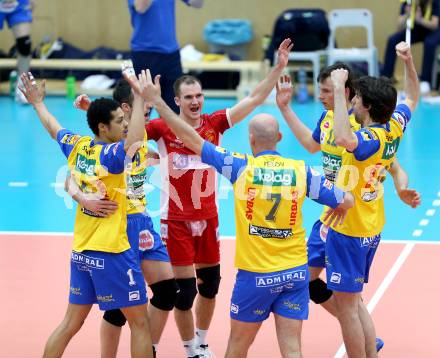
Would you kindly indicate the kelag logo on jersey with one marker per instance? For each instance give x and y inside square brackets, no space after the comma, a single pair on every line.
[331,161]
[84,165]
[390,149]
[271,177]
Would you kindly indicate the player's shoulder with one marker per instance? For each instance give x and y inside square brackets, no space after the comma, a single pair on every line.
[68,137]
[208,117]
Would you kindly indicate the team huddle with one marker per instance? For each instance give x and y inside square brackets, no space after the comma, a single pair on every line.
[116,249]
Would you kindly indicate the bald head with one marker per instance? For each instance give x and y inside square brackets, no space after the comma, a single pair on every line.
[265,130]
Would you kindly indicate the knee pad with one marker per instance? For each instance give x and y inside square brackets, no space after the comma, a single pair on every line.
[319,293]
[23,45]
[164,294]
[210,281]
[115,317]
[187,293]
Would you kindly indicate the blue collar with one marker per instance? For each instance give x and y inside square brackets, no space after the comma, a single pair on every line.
[266,152]
[96,142]
[386,126]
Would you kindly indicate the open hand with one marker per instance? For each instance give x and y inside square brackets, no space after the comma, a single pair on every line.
[284,91]
[33,92]
[410,197]
[283,52]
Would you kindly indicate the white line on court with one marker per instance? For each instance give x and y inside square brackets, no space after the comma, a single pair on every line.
[430,212]
[384,286]
[18,184]
[417,233]
[424,222]
[57,185]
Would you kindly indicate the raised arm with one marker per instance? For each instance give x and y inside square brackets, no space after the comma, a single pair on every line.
[409,196]
[412,87]
[344,136]
[35,94]
[263,89]
[136,128]
[150,92]
[302,133]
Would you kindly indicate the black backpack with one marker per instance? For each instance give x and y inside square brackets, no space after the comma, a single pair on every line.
[308,29]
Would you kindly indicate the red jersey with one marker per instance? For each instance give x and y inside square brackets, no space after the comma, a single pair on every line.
[189,186]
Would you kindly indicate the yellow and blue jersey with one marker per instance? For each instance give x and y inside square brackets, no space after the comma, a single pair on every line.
[97,167]
[136,176]
[364,171]
[269,191]
[324,135]
[331,153]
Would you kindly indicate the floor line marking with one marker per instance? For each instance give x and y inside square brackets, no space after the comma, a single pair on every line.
[424,222]
[430,212]
[417,233]
[18,184]
[56,185]
[384,286]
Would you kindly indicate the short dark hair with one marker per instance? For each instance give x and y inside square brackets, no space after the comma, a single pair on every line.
[378,94]
[186,79]
[326,72]
[100,112]
[122,93]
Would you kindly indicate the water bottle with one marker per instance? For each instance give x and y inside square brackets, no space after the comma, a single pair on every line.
[70,87]
[302,95]
[13,75]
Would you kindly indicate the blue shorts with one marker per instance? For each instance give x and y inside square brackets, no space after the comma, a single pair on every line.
[285,293]
[111,280]
[349,260]
[316,244]
[20,14]
[144,240]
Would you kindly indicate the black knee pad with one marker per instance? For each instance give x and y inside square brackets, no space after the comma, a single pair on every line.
[319,293]
[210,281]
[187,293]
[115,317]
[164,294]
[23,45]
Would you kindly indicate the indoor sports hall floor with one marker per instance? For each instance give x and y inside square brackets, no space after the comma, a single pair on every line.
[36,220]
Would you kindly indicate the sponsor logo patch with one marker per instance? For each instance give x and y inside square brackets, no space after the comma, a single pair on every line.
[280,279]
[85,165]
[89,261]
[323,231]
[70,139]
[234,308]
[390,149]
[266,232]
[164,231]
[146,240]
[336,277]
[328,184]
[134,296]
[271,177]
